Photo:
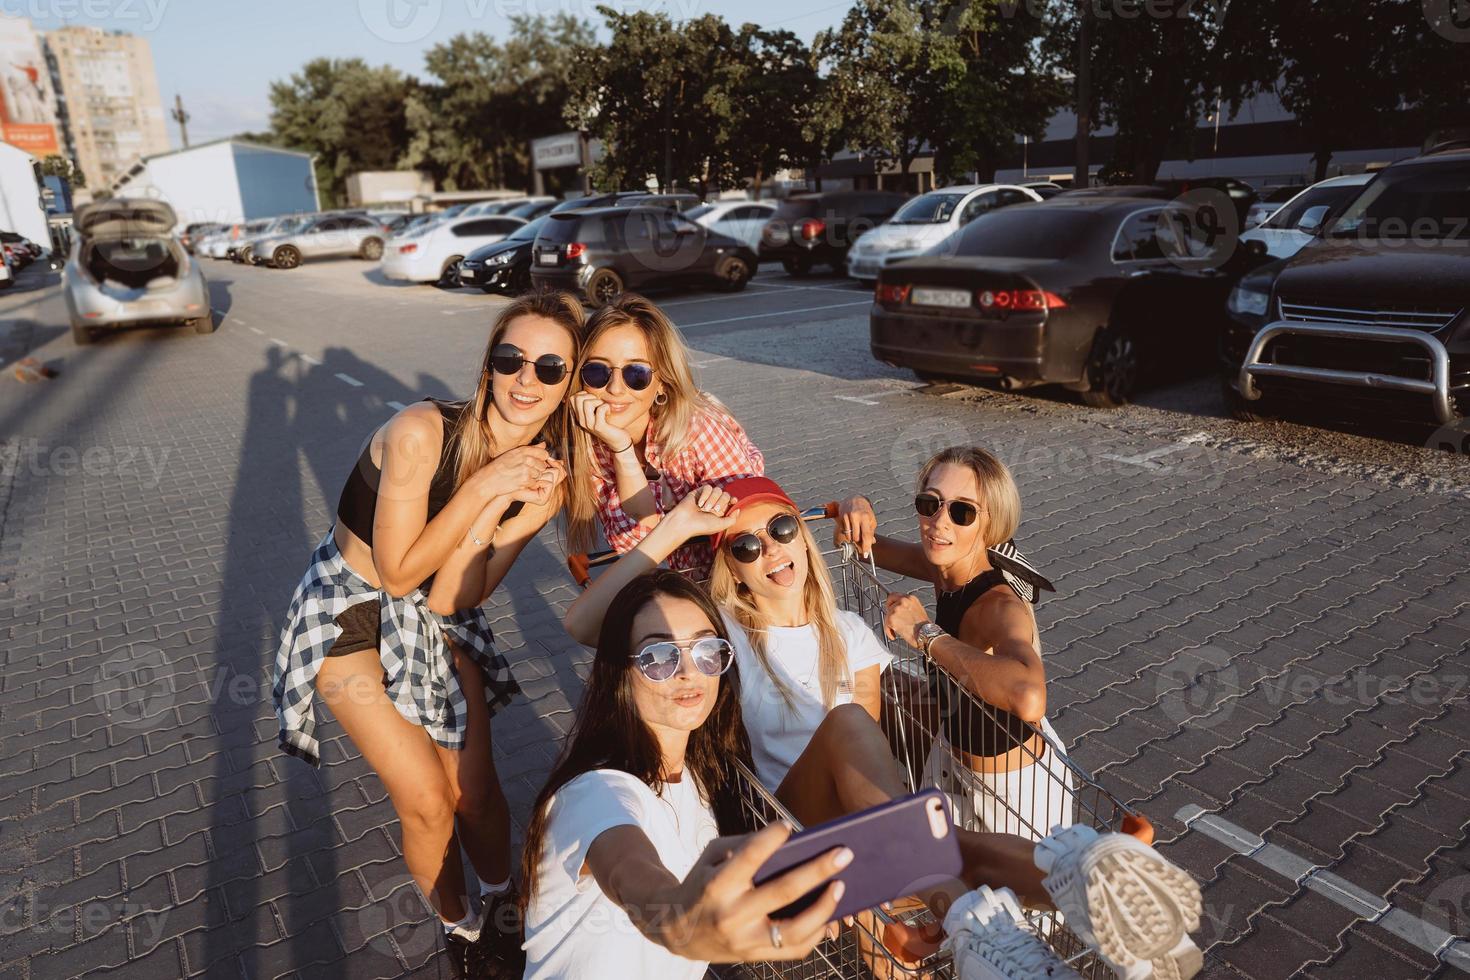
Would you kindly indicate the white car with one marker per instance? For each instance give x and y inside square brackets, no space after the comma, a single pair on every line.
[1294,224]
[928,220]
[7,274]
[737,219]
[434,254]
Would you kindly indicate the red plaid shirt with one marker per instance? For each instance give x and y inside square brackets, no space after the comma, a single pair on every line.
[716,452]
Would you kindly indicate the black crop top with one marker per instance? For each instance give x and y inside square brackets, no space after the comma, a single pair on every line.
[982,731]
[359,500]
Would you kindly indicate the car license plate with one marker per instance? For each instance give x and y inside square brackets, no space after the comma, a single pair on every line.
[547,258]
[950,298]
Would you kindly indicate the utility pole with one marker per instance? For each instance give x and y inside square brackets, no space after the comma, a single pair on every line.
[182,118]
[1084,93]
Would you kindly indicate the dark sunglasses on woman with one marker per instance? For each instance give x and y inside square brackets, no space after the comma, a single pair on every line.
[963,514]
[746,548]
[658,662]
[599,374]
[509,359]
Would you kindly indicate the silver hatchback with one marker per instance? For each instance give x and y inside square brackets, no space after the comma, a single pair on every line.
[127,267]
[326,236]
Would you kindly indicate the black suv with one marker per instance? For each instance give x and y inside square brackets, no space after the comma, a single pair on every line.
[599,252]
[1376,309]
[817,229]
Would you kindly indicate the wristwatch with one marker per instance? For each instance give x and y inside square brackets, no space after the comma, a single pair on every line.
[927,632]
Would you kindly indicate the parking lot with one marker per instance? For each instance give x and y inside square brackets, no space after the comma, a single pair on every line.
[1261,636]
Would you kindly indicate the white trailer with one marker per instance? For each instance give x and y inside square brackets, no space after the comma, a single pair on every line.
[22,209]
[224,181]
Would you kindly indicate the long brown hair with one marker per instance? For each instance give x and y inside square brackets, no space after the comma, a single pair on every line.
[470,434]
[610,734]
[672,422]
[819,605]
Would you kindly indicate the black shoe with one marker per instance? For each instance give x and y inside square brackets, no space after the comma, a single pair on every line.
[498,952]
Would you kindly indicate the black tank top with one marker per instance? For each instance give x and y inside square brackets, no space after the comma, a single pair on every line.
[359,500]
[986,730]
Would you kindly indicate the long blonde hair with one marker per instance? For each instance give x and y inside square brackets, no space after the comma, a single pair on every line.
[819,606]
[672,421]
[470,435]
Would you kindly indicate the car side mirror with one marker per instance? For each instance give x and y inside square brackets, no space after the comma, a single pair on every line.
[1313,220]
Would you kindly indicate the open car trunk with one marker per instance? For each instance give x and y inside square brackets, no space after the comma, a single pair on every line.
[133,263]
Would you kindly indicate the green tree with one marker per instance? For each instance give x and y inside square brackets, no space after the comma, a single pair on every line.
[351,115]
[56,165]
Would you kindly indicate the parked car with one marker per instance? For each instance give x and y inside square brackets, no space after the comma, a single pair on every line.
[1270,200]
[1241,194]
[127,267]
[818,229]
[1295,223]
[1374,313]
[199,229]
[679,201]
[7,269]
[737,219]
[18,248]
[595,200]
[434,256]
[927,220]
[1045,189]
[243,250]
[246,232]
[499,205]
[599,252]
[503,266]
[532,208]
[324,236]
[1079,292]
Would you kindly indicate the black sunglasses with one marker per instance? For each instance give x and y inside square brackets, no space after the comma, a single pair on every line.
[509,359]
[660,661]
[963,514]
[746,548]
[599,374]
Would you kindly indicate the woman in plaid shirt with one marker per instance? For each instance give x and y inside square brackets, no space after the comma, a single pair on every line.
[647,436]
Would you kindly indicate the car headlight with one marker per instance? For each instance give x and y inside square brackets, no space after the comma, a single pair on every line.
[1249,298]
[504,258]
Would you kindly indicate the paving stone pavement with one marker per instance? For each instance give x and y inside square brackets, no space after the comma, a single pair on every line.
[1235,637]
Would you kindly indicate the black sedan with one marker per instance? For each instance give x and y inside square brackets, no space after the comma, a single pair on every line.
[1092,293]
[505,266]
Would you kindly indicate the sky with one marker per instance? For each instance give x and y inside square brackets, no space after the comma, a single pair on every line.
[222,55]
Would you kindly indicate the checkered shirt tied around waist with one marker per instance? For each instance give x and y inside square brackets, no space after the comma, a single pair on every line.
[716,452]
[418,662]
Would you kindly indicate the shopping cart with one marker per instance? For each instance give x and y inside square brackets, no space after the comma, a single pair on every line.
[941,735]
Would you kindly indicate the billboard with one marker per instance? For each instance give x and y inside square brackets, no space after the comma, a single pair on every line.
[27,103]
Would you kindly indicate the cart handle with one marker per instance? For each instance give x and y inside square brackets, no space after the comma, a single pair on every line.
[581,563]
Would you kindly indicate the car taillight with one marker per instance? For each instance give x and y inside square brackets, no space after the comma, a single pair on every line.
[811,229]
[1019,299]
[410,247]
[886,293]
[575,250]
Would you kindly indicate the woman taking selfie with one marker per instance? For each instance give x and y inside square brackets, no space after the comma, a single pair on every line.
[625,873]
[985,637]
[386,625]
[810,698]
[646,436]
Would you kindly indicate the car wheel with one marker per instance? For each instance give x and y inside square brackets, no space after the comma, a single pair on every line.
[286,257]
[449,275]
[603,287]
[1241,410]
[734,273]
[372,249]
[1112,370]
[81,334]
[521,281]
[202,324]
[799,266]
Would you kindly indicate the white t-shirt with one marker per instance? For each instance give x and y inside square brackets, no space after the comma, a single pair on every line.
[573,930]
[778,733]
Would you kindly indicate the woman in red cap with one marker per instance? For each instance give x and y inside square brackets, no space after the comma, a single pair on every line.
[647,436]
[810,699]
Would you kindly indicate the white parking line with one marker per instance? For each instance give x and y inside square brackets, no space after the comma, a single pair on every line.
[279,342]
[1432,939]
[868,399]
[252,329]
[1146,460]
[708,361]
[397,406]
[309,359]
[349,379]
[759,316]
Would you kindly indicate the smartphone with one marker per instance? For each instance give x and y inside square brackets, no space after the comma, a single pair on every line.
[898,847]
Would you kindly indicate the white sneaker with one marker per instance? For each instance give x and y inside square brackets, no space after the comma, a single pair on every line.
[990,939]
[1125,900]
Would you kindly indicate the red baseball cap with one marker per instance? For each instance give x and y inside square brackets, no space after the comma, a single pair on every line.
[753,490]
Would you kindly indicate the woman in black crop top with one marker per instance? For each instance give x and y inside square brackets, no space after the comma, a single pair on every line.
[983,634]
[387,625]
